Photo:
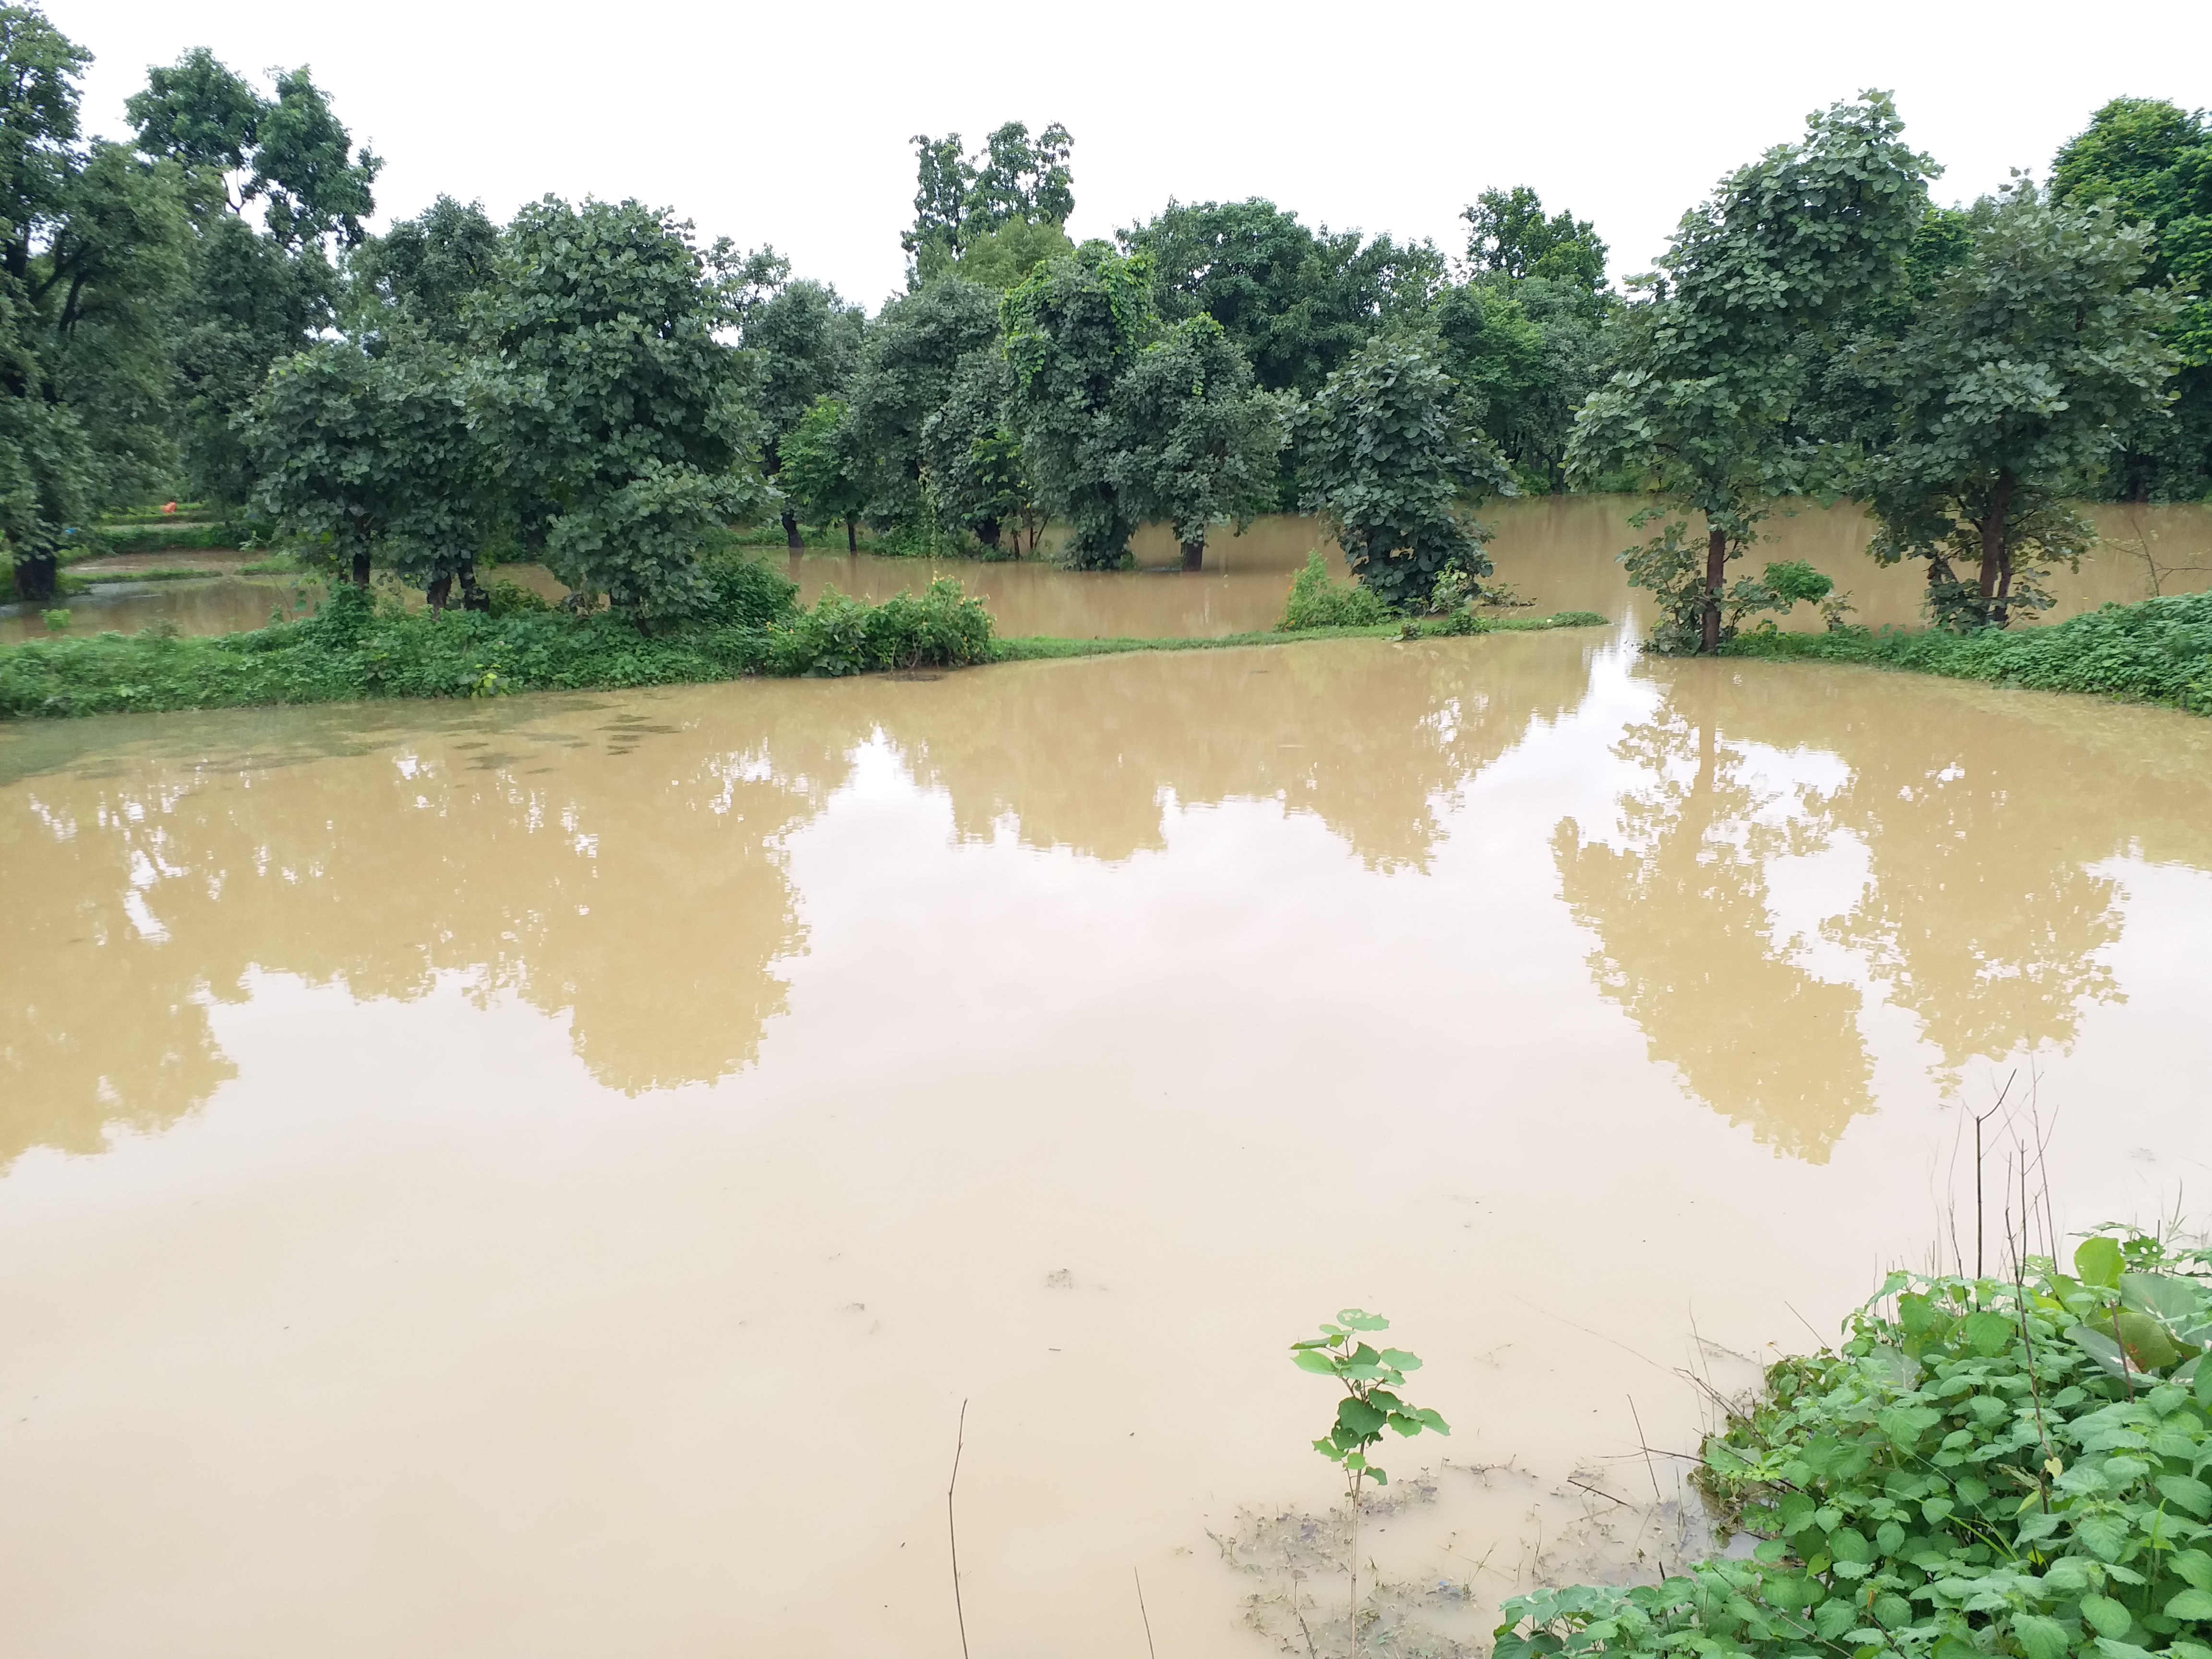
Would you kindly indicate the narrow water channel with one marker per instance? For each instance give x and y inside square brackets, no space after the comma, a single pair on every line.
[543,1177]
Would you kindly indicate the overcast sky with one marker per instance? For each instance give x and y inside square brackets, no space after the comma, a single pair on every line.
[791,123]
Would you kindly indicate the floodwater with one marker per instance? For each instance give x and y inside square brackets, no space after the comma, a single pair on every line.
[1557,552]
[542,1178]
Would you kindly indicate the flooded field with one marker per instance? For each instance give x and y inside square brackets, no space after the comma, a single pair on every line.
[541,1178]
[1558,553]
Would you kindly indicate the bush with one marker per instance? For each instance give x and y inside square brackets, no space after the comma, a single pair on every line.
[743,592]
[1316,601]
[2158,651]
[1990,1469]
[503,597]
[941,629]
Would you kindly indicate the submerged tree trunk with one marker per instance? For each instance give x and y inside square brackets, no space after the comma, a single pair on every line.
[437,592]
[851,534]
[1194,553]
[1708,629]
[987,531]
[361,569]
[791,539]
[38,576]
[473,598]
[1996,558]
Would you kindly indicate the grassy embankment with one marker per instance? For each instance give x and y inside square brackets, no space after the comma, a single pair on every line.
[364,647]
[1986,1469]
[2159,651]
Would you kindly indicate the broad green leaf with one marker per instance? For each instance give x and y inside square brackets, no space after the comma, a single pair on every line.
[2040,1637]
[2191,1604]
[2192,1567]
[1401,1359]
[1905,1424]
[1353,1320]
[2186,1492]
[1359,1416]
[2098,1260]
[2170,1299]
[1319,1364]
[2150,1347]
[2106,1535]
[2106,1616]
[1989,1332]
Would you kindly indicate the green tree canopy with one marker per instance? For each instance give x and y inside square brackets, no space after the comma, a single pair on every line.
[1202,436]
[1073,328]
[1394,464]
[2153,162]
[1508,236]
[803,339]
[821,475]
[424,271]
[2030,359]
[958,199]
[623,411]
[910,355]
[1718,363]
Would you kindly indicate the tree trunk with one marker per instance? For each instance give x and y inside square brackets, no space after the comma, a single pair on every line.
[851,534]
[987,532]
[1708,630]
[437,592]
[1996,560]
[1194,553]
[361,569]
[38,576]
[791,531]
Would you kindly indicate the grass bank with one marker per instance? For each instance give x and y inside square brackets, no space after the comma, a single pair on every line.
[362,647]
[2159,651]
[1035,648]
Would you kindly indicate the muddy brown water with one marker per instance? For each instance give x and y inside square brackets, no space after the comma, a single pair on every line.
[541,1178]
[1559,554]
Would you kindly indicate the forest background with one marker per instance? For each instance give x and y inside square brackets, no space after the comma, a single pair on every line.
[201,309]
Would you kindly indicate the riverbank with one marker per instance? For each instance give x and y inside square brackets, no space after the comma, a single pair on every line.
[361,649]
[2157,651]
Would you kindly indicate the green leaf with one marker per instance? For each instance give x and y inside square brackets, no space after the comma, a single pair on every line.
[1360,1417]
[2098,1261]
[2172,1299]
[2186,1492]
[2040,1637]
[2107,1616]
[1401,1359]
[2191,1604]
[2192,1567]
[1989,1332]
[1905,1424]
[1319,1365]
[1353,1320]
[2106,1535]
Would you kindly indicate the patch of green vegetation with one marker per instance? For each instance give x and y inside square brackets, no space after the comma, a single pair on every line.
[1040,647]
[165,537]
[361,646]
[1990,1470]
[1317,600]
[2158,651]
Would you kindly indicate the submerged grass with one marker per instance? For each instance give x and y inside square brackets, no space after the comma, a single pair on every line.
[2159,651]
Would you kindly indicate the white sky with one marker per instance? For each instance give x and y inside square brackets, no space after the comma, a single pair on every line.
[789,124]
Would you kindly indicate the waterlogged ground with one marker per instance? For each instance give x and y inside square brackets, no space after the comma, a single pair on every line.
[540,1178]
[1558,553]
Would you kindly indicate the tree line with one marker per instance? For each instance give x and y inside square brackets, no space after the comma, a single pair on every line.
[203,310]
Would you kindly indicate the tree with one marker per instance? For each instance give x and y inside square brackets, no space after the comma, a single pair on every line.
[821,473]
[425,270]
[1393,461]
[973,470]
[2154,163]
[1013,179]
[90,259]
[802,338]
[2019,377]
[373,457]
[1508,236]
[625,417]
[1073,328]
[1718,362]
[909,357]
[1202,437]
[1295,302]
[252,298]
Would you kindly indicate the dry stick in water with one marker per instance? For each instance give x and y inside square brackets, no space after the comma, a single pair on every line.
[1649,1468]
[953,1532]
[1147,1617]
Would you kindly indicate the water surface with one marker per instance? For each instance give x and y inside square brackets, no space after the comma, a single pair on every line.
[541,1178]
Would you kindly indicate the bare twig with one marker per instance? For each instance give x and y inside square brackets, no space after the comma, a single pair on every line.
[952,1531]
[1651,1469]
[1147,1617]
[1808,1324]
[1595,1493]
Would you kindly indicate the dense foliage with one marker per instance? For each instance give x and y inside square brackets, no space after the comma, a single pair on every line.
[1985,1470]
[2158,651]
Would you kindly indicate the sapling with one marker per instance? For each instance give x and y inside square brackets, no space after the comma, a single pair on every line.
[1371,1377]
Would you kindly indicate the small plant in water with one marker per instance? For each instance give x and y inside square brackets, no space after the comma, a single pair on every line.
[56,622]
[1371,1378]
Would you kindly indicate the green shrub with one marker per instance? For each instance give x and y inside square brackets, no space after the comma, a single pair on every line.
[743,592]
[940,629]
[1991,1471]
[504,598]
[2158,651]
[1316,601]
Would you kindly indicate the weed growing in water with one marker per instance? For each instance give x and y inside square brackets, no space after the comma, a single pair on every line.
[1317,600]
[1370,1378]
